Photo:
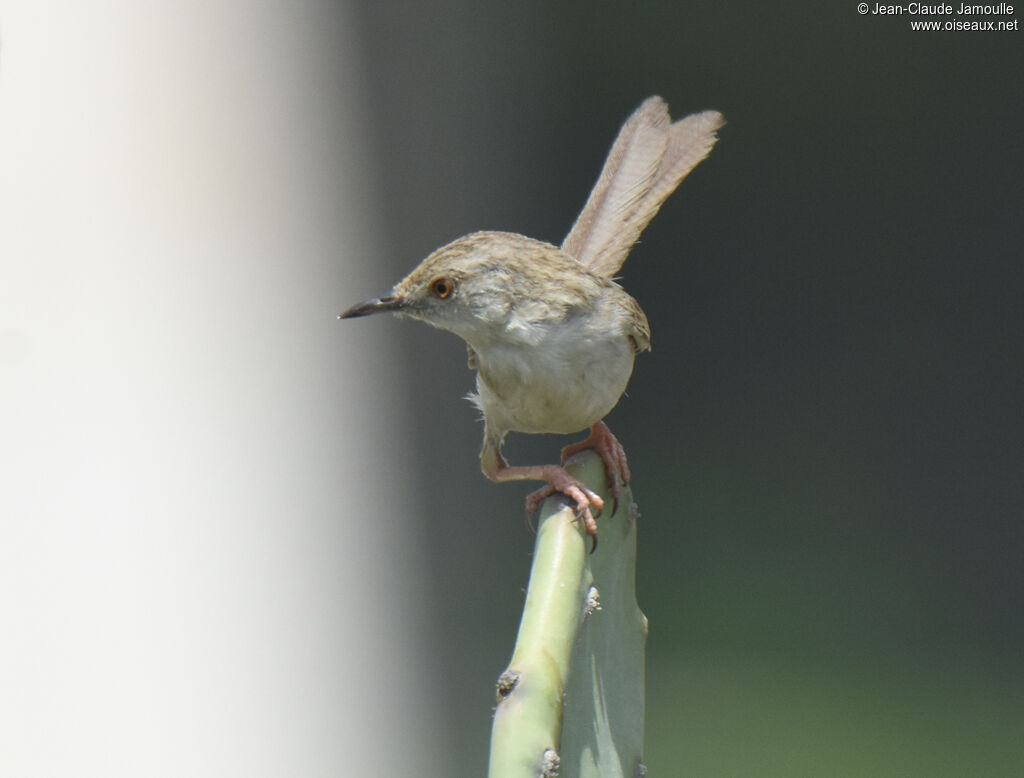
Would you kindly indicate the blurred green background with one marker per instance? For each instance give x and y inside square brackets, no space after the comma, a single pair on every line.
[827,439]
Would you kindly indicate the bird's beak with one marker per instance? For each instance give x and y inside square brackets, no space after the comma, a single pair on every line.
[389,302]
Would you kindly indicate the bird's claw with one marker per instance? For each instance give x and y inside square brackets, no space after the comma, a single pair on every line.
[588,504]
[606,446]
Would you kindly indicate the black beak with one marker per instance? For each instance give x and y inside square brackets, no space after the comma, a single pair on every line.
[376,305]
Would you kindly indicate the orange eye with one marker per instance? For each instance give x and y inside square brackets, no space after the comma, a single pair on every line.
[442,288]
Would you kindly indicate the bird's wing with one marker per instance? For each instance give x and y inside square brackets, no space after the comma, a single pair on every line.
[639,330]
[647,161]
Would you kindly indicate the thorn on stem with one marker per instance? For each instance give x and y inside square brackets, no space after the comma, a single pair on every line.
[507,682]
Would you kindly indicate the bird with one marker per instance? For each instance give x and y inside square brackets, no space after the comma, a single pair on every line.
[549,331]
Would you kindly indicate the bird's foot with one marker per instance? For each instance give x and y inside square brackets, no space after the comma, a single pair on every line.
[607,446]
[588,504]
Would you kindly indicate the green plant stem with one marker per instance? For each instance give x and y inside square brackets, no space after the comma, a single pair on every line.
[572,694]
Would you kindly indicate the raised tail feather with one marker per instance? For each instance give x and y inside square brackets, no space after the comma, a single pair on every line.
[645,165]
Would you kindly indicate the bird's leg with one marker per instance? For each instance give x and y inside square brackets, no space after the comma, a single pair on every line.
[607,446]
[497,469]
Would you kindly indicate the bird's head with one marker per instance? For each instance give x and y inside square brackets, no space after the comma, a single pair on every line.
[471,283]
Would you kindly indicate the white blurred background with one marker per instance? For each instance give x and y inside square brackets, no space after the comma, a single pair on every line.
[205,567]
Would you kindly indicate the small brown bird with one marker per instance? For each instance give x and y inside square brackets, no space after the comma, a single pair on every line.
[551,335]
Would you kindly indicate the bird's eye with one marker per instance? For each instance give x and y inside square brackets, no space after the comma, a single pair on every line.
[442,288]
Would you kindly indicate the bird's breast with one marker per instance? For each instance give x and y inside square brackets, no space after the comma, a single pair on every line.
[562,382]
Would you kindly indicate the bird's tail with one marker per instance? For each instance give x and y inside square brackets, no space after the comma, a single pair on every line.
[648,160]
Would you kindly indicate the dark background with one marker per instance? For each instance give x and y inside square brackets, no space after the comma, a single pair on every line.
[826,439]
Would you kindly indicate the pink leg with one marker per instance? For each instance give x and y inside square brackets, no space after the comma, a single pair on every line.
[607,446]
[611,452]
[497,469]
[559,481]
